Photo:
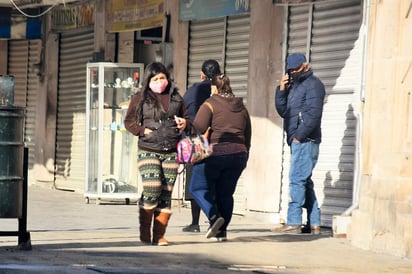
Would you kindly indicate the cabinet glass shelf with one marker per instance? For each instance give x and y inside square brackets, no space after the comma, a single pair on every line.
[111,169]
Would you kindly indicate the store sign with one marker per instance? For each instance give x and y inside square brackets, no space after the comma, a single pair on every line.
[131,15]
[16,26]
[68,17]
[205,9]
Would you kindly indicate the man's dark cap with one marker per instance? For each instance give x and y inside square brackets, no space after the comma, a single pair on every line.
[295,60]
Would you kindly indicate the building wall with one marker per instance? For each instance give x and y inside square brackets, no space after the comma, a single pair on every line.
[179,37]
[383,220]
[43,168]
[263,173]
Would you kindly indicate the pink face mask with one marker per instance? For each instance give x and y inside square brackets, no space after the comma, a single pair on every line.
[158,86]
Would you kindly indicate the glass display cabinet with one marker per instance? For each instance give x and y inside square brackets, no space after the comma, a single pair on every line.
[111,151]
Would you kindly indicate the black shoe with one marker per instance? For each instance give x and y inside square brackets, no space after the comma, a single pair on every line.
[215,225]
[191,228]
[221,236]
[314,230]
[306,229]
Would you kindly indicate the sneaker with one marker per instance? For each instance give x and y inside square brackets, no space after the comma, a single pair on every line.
[216,224]
[221,236]
[191,228]
[288,229]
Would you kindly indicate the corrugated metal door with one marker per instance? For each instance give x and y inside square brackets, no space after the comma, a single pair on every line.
[18,67]
[23,54]
[206,41]
[227,41]
[328,33]
[237,54]
[76,49]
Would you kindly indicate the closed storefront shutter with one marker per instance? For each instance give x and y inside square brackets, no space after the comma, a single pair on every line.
[328,33]
[18,67]
[206,41]
[227,41]
[237,54]
[76,49]
[23,56]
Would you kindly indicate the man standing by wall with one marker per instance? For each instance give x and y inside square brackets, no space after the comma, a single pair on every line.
[299,101]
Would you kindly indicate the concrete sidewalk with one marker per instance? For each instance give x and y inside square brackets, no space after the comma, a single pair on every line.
[69,236]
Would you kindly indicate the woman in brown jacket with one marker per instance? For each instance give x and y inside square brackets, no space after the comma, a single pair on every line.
[214,180]
[156,115]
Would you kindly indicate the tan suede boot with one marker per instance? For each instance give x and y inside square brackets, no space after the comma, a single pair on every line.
[159,228]
[145,219]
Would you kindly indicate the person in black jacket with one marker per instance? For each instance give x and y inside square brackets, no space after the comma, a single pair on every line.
[299,101]
[194,98]
[157,115]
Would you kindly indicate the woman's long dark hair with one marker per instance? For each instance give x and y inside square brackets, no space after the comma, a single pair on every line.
[222,83]
[147,94]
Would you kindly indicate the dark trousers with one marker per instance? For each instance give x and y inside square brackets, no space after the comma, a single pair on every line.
[213,184]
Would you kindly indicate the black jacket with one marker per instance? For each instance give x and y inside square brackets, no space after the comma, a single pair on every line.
[164,135]
[195,96]
[301,107]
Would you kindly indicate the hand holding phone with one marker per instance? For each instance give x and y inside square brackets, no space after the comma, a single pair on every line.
[180,122]
[284,82]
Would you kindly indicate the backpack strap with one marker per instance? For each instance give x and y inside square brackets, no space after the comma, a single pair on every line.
[209,129]
[209,105]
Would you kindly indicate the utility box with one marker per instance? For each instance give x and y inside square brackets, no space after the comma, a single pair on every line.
[111,151]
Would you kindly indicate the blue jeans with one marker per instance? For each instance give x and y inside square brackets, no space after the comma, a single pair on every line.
[301,192]
[213,184]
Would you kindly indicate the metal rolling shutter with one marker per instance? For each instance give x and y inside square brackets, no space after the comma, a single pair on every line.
[206,41]
[23,54]
[76,49]
[237,54]
[227,41]
[18,67]
[335,51]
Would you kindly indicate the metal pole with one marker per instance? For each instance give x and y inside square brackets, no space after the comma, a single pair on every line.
[24,242]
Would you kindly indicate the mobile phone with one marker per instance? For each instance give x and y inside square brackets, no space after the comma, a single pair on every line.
[289,83]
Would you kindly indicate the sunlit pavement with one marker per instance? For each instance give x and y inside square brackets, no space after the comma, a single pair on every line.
[70,236]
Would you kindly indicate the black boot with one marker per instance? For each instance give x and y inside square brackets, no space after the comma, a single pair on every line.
[194,226]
